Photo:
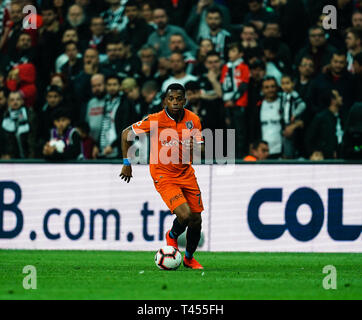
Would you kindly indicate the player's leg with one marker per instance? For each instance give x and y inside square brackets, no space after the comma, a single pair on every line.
[192,194]
[179,225]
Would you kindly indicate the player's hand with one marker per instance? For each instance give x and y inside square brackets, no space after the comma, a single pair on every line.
[126,173]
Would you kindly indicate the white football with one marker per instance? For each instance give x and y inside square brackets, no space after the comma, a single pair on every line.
[168,258]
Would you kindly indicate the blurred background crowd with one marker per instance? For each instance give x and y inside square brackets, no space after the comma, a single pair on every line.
[76,73]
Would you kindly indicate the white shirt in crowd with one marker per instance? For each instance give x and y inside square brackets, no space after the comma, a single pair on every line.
[271,127]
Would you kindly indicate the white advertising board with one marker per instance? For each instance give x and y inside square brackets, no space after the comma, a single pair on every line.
[307,208]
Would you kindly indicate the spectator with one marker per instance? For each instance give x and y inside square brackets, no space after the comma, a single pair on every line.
[357,66]
[130,63]
[76,19]
[160,38]
[178,11]
[13,28]
[178,68]
[22,78]
[81,83]
[74,65]
[258,15]
[274,66]
[152,97]
[257,74]
[48,47]
[95,106]
[338,78]
[352,138]
[293,108]
[210,112]
[325,133]
[117,115]
[97,39]
[54,100]
[235,76]
[357,19]
[64,141]
[288,12]
[131,89]
[272,31]
[3,103]
[267,122]
[177,44]
[210,80]
[305,76]
[318,48]
[354,45]
[87,142]
[24,53]
[196,24]
[114,18]
[61,8]
[205,46]
[249,41]
[147,12]
[68,35]
[137,30]
[19,125]
[214,31]
[148,57]
[258,151]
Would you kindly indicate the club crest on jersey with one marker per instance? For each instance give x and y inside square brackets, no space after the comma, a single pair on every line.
[189,125]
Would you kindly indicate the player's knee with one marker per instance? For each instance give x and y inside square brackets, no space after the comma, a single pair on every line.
[184,214]
[195,220]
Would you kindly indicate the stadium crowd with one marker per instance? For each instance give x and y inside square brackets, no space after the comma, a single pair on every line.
[290,88]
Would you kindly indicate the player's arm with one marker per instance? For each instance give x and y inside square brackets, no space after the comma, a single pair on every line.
[127,138]
[126,142]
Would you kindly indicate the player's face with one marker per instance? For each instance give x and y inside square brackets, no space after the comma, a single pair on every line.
[175,101]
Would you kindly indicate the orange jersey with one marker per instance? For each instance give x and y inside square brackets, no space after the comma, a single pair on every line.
[169,154]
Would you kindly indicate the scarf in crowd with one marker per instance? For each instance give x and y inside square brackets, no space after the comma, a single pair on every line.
[16,121]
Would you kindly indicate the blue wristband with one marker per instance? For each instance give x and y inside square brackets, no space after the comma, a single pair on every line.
[126,162]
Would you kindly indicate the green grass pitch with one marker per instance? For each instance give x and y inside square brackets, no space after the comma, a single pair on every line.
[134,276]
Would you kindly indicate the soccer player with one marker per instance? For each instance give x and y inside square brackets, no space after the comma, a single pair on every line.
[172,131]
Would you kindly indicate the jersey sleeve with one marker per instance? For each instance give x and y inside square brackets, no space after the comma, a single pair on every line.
[143,126]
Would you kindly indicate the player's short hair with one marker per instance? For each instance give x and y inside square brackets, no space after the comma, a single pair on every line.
[175,87]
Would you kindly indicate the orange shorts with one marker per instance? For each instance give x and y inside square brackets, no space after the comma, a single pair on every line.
[176,191]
